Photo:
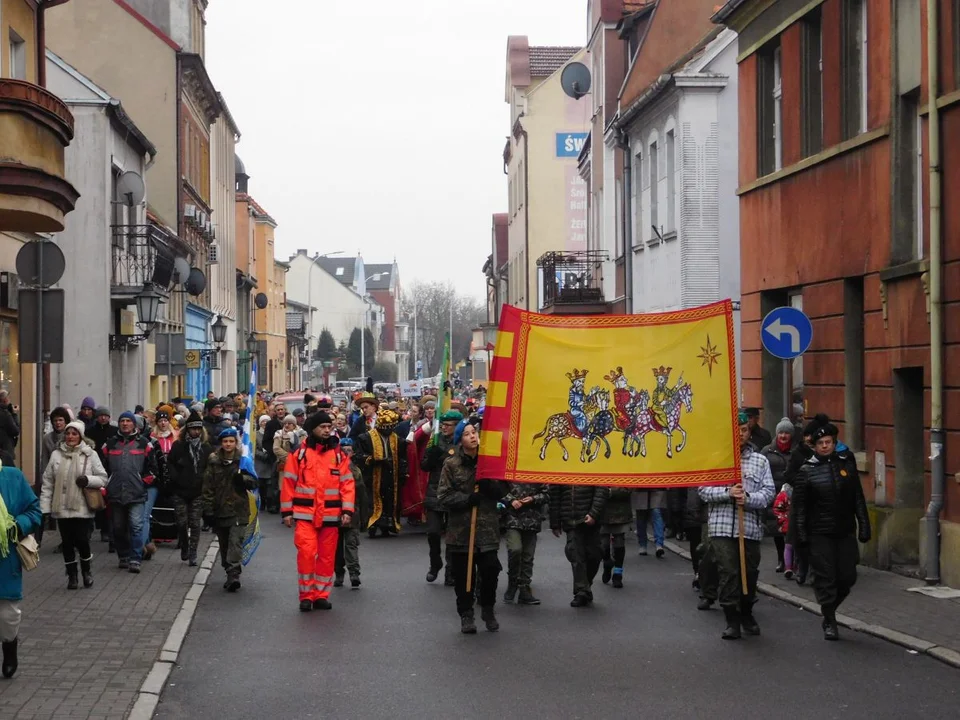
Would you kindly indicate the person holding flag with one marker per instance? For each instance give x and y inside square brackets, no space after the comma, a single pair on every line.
[318,495]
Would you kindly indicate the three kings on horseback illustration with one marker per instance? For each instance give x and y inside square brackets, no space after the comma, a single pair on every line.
[589,418]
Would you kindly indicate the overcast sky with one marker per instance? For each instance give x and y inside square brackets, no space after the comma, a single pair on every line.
[379,128]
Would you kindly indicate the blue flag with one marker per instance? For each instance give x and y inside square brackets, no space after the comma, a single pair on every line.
[251,541]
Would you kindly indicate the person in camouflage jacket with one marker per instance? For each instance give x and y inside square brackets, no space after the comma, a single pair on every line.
[226,505]
[458,494]
[522,519]
[438,450]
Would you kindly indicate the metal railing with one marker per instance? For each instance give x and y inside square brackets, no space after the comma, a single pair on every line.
[571,277]
[134,252]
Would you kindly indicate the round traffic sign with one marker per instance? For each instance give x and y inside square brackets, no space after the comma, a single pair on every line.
[40,262]
[786,333]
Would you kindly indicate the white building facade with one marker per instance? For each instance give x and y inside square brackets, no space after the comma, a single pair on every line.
[101,262]
[682,134]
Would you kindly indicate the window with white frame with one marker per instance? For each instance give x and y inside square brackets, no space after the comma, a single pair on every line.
[777,110]
[670,150]
[853,67]
[17,69]
[653,161]
[769,108]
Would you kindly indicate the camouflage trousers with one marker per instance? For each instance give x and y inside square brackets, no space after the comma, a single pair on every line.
[189,519]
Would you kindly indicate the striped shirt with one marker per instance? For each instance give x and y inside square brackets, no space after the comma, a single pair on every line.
[760,491]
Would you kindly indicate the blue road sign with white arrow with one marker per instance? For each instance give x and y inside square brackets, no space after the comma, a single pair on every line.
[786,333]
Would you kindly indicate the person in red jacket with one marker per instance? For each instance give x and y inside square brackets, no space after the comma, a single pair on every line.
[318,496]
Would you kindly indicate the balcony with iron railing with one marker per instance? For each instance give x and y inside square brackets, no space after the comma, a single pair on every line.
[141,255]
[571,282]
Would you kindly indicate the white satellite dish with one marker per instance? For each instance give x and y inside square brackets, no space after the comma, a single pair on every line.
[130,189]
[181,270]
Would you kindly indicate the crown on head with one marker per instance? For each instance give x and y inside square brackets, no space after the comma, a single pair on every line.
[662,372]
[577,375]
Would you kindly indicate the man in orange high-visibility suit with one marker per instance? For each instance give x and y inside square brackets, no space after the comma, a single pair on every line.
[317,496]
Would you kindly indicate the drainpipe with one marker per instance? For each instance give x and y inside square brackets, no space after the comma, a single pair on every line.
[937,436]
[624,142]
[526,216]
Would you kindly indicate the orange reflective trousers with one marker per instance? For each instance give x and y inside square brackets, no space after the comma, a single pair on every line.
[316,554]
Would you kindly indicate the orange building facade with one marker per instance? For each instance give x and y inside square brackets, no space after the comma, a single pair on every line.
[835,218]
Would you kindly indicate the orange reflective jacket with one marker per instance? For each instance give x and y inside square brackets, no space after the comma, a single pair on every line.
[317,486]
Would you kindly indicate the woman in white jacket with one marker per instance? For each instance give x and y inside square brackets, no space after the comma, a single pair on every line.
[73,465]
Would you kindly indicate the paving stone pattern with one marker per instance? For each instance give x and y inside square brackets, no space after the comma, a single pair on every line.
[85,653]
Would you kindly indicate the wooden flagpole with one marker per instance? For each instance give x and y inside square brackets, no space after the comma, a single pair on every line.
[743,554]
[473,538]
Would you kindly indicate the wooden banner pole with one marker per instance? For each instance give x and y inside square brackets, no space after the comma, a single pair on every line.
[473,538]
[743,554]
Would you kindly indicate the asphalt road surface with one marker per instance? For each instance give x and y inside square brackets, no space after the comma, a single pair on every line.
[393,648]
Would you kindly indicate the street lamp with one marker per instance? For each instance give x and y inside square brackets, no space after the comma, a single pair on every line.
[313,264]
[363,329]
[219,329]
[148,307]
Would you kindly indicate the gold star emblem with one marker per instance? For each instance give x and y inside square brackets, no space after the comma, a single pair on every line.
[709,356]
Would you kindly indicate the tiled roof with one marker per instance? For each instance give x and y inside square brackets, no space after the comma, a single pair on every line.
[295,320]
[383,282]
[545,60]
[342,269]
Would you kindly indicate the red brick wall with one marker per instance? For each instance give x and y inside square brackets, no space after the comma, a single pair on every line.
[390,318]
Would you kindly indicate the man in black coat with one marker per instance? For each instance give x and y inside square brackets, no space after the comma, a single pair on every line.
[9,424]
[577,510]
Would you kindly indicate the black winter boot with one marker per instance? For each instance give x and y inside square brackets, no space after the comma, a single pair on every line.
[747,621]
[468,625]
[72,583]
[830,629]
[510,594]
[607,571]
[489,619]
[9,658]
[86,571]
[732,631]
[184,544]
[527,597]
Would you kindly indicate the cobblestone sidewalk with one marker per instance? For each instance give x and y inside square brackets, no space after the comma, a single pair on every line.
[85,653]
[879,604]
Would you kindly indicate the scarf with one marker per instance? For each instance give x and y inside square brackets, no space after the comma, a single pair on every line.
[7,528]
[193,445]
[784,447]
[66,495]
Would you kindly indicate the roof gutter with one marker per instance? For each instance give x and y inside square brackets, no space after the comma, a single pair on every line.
[724,13]
[648,96]
[147,147]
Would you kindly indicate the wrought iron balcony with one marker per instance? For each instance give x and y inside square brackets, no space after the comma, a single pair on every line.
[572,280]
[142,254]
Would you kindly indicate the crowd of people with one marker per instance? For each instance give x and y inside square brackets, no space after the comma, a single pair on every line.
[334,471]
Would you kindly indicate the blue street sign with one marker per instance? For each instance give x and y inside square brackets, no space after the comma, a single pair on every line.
[786,333]
[569,145]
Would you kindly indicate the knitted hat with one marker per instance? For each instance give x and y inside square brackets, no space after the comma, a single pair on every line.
[101,411]
[194,421]
[314,421]
[88,402]
[127,415]
[77,425]
[163,415]
[262,419]
[211,404]
[289,420]
[784,426]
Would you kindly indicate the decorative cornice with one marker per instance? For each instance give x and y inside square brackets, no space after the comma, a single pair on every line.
[197,84]
[39,104]
[25,181]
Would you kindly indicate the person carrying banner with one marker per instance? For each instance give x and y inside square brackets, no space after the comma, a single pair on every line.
[754,494]
[226,506]
[459,494]
[577,511]
[318,494]
[440,447]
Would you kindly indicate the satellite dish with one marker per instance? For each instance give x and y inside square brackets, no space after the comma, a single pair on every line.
[575,80]
[130,189]
[181,270]
[261,300]
[196,282]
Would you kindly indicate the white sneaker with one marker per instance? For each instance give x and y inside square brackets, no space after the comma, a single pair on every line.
[643,551]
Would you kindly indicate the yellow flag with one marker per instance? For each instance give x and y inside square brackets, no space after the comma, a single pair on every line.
[631,400]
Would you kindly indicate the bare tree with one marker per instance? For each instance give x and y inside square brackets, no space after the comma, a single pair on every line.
[433,303]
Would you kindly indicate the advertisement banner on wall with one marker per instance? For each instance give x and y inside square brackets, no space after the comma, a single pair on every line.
[575,209]
[570,144]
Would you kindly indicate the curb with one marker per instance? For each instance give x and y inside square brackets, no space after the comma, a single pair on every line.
[943,654]
[149,695]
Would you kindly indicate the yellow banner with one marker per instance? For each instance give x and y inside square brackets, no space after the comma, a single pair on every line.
[631,400]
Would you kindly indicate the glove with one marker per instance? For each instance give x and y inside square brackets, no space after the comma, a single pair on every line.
[474,499]
[864,538]
[491,489]
[82,481]
[209,520]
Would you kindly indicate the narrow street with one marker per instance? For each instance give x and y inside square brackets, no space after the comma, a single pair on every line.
[393,647]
